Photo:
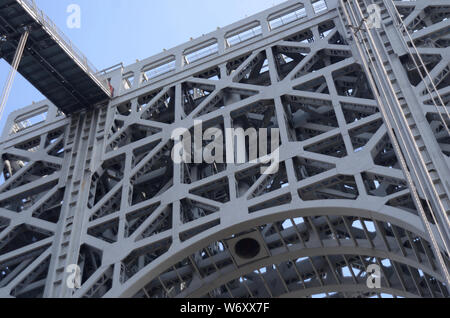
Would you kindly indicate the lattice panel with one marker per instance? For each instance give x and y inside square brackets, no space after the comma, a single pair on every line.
[337,204]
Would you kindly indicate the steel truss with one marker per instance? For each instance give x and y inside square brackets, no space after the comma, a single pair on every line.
[99,189]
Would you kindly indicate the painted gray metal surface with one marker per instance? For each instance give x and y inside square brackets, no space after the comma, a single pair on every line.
[99,189]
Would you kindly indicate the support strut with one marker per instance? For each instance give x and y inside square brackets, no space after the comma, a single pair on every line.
[12,73]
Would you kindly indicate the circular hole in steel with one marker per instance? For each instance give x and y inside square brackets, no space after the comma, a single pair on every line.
[247,248]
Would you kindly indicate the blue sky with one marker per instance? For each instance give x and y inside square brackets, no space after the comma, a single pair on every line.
[114,31]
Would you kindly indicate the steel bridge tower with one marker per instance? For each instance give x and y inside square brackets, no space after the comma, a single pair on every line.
[362,105]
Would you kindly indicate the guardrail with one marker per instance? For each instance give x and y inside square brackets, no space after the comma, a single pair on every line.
[64,40]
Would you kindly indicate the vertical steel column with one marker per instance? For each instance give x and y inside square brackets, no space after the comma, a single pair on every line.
[84,140]
[380,55]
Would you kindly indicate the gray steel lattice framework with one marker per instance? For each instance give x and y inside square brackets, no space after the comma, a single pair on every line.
[99,188]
